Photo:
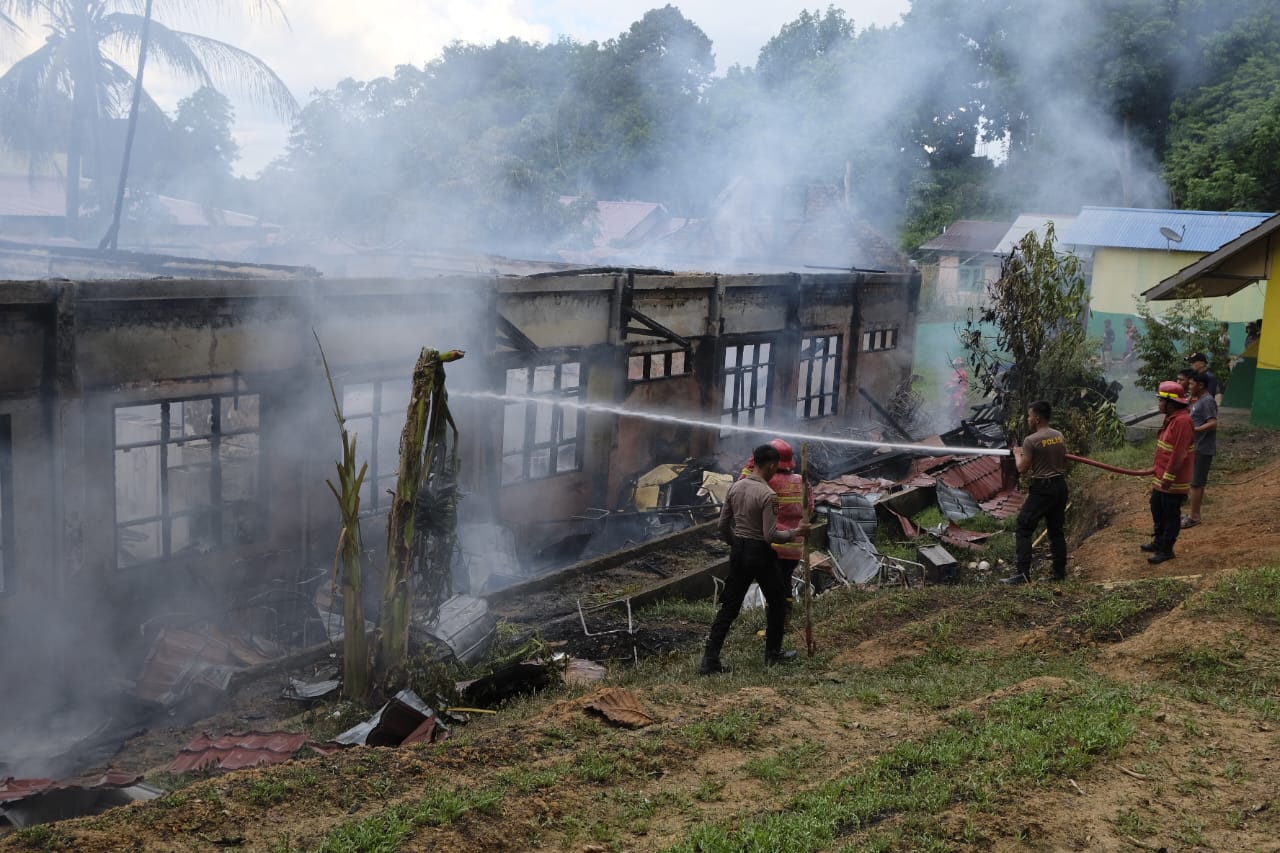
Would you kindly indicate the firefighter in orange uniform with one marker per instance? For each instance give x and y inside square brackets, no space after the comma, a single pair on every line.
[1173,469]
[789,487]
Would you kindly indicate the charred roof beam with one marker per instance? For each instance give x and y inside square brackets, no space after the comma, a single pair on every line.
[650,327]
[510,335]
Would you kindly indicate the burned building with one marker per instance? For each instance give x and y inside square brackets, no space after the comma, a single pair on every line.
[164,442]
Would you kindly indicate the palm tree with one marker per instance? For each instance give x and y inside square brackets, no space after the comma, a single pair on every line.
[68,85]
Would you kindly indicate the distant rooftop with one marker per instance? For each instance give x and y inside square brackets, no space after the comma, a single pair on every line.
[43,196]
[968,235]
[1036,222]
[32,262]
[1138,228]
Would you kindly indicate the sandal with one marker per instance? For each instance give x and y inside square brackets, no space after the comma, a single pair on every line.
[1188,521]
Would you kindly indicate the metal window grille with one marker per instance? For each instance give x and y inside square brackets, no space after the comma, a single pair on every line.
[644,367]
[879,339]
[375,412]
[188,477]
[819,379]
[541,438]
[746,383]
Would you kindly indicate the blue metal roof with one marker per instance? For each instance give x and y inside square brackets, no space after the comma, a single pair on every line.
[1135,228]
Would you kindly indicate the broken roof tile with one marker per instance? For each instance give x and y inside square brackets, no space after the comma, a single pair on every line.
[908,528]
[1004,504]
[235,752]
[980,476]
[12,789]
[179,659]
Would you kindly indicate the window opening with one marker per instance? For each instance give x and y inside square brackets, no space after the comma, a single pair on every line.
[819,380]
[375,412]
[540,439]
[970,277]
[647,366]
[745,380]
[879,339]
[188,477]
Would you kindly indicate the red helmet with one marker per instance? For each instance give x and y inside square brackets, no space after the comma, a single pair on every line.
[784,451]
[1173,392]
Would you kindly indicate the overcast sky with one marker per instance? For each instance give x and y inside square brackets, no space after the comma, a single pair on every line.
[327,40]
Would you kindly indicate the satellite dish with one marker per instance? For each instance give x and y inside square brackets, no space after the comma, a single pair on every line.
[1171,235]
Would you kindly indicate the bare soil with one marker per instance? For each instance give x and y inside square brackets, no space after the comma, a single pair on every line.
[1196,776]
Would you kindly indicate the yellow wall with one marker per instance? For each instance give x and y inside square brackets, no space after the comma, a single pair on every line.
[1266,382]
[1119,275]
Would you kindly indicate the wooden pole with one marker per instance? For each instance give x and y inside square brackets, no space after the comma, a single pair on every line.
[804,555]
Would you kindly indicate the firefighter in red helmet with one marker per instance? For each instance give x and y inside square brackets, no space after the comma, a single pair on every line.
[789,487]
[1173,470]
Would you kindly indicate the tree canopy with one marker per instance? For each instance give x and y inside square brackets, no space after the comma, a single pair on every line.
[963,109]
[58,97]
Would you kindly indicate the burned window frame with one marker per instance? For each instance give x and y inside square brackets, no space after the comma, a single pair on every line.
[217,506]
[731,415]
[556,442]
[667,358]
[378,502]
[820,402]
[7,543]
[879,339]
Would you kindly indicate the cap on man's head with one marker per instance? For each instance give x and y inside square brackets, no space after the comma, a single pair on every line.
[1197,356]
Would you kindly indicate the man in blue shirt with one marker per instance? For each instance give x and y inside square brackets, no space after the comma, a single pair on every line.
[1200,364]
[1204,420]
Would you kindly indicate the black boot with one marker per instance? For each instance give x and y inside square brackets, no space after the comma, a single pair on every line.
[711,656]
[1023,576]
[711,666]
[1160,557]
[771,658]
[1152,547]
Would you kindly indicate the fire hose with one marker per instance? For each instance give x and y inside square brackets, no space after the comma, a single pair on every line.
[1132,472]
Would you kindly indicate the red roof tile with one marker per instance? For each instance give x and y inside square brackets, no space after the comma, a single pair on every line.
[178,659]
[980,476]
[12,790]
[1004,504]
[234,752]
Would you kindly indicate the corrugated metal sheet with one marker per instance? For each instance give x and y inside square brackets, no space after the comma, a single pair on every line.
[829,491]
[1136,228]
[1033,222]
[179,660]
[235,752]
[1004,504]
[12,790]
[980,476]
[968,235]
[956,504]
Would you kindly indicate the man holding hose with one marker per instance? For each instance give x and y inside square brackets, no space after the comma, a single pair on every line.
[1043,458]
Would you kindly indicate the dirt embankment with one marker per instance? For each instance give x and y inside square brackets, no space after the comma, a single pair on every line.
[1240,527]
[1175,747]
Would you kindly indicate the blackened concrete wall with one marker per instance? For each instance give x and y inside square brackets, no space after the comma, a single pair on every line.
[72,352]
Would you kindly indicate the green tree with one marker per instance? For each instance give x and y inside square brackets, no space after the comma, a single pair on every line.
[803,43]
[202,149]
[1038,349]
[1165,341]
[73,82]
[1226,142]
[645,90]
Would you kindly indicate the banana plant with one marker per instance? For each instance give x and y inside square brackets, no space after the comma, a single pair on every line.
[427,430]
[347,561]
